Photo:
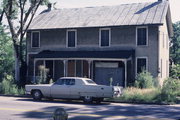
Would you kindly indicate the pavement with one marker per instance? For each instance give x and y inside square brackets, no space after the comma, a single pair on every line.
[24,108]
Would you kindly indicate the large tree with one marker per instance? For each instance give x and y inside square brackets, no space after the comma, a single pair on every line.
[6,54]
[19,15]
[175,48]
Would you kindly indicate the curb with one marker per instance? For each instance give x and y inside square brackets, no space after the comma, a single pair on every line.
[24,96]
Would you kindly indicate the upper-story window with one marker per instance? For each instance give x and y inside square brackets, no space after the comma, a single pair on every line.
[142,35]
[71,38]
[105,35]
[141,64]
[35,39]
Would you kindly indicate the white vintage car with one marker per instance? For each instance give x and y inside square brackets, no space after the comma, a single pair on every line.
[73,88]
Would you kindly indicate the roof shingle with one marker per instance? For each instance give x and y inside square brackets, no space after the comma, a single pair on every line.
[125,14]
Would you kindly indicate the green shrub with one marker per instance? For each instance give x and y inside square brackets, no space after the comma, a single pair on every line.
[0,88]
[170,90]
[157,83]
[137,95]
[175,71]
[144,80]
[7,87]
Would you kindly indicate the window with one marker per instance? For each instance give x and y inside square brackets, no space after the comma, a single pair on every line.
[142,36]
[141,64]
[60,82]
[70,82]
[105,37]
[65,82]
[71,38]
[35,39]
[89,81]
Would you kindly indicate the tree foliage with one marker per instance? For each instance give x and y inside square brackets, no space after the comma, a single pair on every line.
[175,71]
[19,14]
[6,54]
[170,90]
[175,48]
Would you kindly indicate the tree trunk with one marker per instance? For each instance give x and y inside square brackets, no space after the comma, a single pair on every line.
[23,73]
[17,69]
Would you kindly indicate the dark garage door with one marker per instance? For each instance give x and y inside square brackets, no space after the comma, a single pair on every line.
[103,75]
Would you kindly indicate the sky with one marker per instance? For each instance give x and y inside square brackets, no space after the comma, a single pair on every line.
[174,5]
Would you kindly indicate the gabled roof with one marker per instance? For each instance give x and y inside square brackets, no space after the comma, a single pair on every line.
[125,14]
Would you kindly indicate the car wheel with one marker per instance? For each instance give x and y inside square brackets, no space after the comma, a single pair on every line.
[87,99]
[99,100]
[37,95]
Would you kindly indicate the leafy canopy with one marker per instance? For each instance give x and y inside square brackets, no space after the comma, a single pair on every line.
[175,48]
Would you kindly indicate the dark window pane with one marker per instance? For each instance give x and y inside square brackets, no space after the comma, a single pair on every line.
[35,39]
[104,37]
[141,64]
[71,38]
[70,82]
[142,36]
[60,82]
[90,82]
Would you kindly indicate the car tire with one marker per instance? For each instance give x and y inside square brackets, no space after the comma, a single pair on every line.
[37,95]
[87,99]
[99,100]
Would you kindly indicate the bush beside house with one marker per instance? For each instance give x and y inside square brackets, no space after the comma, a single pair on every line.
[146,90]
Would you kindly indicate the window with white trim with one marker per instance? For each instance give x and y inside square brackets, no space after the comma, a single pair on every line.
[141,64]
[142,36]
[105,36]
[71,38]
[35,39]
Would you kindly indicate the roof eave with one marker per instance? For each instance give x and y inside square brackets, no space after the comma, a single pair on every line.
[37,29]
[169,23]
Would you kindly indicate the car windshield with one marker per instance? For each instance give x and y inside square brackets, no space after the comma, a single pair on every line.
[89,81]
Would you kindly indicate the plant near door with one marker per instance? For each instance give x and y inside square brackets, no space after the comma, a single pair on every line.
[110,81]
[43,73]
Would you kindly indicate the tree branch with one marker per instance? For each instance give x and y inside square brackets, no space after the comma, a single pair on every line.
[1,17]
[13,33]
[25,30]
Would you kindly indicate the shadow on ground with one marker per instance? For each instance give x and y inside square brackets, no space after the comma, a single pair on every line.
[79,111]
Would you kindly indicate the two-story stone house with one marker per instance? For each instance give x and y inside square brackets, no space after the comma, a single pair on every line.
[102,43]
